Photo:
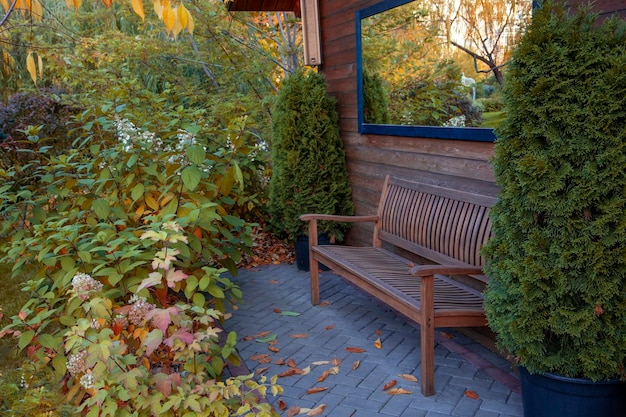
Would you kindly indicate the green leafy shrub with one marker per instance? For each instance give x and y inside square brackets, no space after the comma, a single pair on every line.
[309,169]
[557,291]
[375,101]
[98,227]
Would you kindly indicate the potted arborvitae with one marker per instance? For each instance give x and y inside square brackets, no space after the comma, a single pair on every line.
[556,297]
[308,162]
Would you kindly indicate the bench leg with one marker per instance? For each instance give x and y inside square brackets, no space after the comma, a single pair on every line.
[427,331]
[314,266]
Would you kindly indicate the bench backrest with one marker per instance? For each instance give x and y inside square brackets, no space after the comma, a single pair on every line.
[443,225]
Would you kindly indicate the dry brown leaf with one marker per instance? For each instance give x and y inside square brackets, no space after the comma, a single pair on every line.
[315,390]
[289,372]
[248,338]
[379,332]
[262,334]
[317,410]
[447,335]
[324,303]
[291,363]
[471,394]
[273,282]
[259,357]
[262,370]
[390,384]
[408,377]
[273,349]
[281,405]
[355,365]
[398,391]
[280,361]
[293,411]
[277,310]
[299,336]
[355,349]
[378,344]
[332,326]
[336,361]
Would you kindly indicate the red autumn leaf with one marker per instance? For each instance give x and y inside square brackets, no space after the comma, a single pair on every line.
[316,390]
[471,394]
[278,310]
[390,384]
[107,3]
[281,405]
[117,328]
[355,349]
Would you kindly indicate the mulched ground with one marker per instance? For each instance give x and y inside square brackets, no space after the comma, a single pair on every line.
[267,249]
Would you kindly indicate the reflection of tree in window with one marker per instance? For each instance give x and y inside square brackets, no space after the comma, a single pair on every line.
[421,51]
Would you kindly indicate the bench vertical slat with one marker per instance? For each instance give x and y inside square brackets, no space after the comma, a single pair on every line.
[427,335]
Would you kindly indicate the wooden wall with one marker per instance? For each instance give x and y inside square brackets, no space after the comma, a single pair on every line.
[460,164]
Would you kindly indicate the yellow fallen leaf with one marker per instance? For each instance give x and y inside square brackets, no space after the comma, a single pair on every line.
[399,391]
[378,344]
[408,377]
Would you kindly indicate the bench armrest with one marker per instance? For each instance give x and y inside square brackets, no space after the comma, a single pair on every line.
[427,270]
[338,218]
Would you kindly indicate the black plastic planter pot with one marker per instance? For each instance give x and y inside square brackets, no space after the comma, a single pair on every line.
[302,251]
[549,395]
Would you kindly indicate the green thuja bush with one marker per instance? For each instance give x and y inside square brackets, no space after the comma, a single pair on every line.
[375,101]
[309,167]
[557,266]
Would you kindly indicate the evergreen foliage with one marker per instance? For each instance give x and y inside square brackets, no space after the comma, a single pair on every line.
[309,170]
[375,102]
[557,265]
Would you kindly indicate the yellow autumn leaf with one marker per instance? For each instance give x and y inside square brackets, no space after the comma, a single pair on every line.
[378,344]
[168,17]
[5,4]
[177,28]
[40,64]
[30,66]
[190,24]
[137,6]
[77,3]
[37,10]
[183,15]
[158,8]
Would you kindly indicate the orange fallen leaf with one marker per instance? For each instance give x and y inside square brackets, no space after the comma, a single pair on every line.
[292,363]
[293,411]
[379,332]
[289,372]
[355,349]
[378,344]
[332,326]
[280,361]
[316,390]
[259,357]
[248,338]
[317,410]
[471,394]
[299,336]
[273,349]
[408,377]
[399,391]
[281,405]
[332,371]
[262,334]
[262,370]
[390,384]
[278,310]
[324,303]
[355,365]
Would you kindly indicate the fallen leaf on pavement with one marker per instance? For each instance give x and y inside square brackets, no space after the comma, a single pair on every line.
[355,349]
[317,410]
[447,335]
[299,336]
[293,411]
[277,310]
[378,344]
[379,332]
[355,365]
[273,349]
[289,372]
[317,363]
[273,282]
[262,370]
[332,326]
[280,361]
[398,391]
[292,363]
[408,377]
[336,361]
[390,384]
[315,390]
[324,303]
[281,405]
[471,394]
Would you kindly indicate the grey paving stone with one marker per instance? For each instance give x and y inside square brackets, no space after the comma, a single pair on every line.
[356,320]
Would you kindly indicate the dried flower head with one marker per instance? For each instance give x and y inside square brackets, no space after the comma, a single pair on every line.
[83,285]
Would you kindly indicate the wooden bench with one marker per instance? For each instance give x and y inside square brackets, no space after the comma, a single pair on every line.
[446,229]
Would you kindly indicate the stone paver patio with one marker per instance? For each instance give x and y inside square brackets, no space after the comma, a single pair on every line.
[470,380]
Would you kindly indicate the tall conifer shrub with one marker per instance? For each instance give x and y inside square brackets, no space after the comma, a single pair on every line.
[309,169]
[557,261]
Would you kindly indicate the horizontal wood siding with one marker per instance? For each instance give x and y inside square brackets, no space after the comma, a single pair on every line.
[457,164]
